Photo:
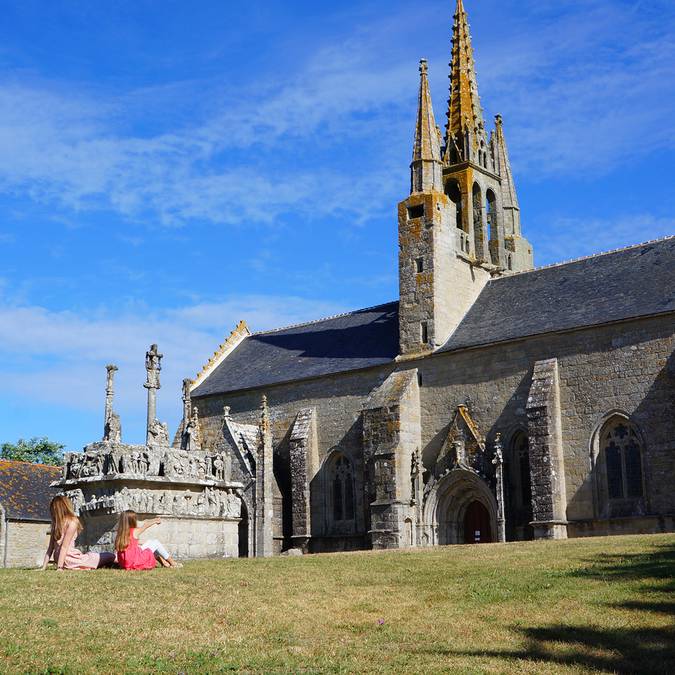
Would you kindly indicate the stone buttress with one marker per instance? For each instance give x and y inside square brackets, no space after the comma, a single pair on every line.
[304,463]
[391,441]
[547,464]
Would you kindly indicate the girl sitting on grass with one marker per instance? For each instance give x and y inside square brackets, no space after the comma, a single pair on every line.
[64,530]
[133,556]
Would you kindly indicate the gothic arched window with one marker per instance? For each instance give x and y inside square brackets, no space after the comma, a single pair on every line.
[622,453]
[343,490]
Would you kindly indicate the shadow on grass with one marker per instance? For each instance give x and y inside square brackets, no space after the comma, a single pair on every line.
[619,650]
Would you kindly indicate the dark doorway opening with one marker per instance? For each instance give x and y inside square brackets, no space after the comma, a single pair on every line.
[477,528]
[243,532]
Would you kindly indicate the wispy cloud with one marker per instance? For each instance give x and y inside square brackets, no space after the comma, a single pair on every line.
[583,87]
[57,357]
[254,157]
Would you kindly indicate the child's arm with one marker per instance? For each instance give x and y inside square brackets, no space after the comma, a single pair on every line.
[71,532]
[50,550]
[146,525]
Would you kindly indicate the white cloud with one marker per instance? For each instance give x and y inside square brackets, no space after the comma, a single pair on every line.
[58,358]
[582,86]
[75,149]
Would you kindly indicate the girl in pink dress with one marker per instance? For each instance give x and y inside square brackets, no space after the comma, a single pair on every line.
[133,556]
[64,530]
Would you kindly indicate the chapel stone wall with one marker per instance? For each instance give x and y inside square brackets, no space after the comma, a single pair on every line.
[627,367]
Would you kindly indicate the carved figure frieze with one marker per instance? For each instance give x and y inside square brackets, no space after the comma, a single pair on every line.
[115,459]
[210,502]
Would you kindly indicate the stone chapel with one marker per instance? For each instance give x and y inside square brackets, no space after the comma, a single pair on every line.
[494,401]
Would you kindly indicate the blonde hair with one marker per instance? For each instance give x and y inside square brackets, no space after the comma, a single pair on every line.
[62,513]
[126,522]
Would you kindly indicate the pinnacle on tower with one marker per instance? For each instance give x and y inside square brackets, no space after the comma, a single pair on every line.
[426,167]
[508,186]
[465,128]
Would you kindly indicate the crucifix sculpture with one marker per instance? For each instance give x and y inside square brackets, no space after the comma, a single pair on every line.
[153,364]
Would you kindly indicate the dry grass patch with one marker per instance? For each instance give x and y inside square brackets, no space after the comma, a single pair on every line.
[577,606]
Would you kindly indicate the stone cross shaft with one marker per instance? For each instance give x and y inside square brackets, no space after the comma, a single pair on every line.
[498,462]
[153,364]
[187,403]
[109,393]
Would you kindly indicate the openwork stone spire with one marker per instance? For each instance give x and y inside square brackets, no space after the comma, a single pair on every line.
[426,167]
[465,128]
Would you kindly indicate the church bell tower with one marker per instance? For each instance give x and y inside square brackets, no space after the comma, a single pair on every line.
[461,223]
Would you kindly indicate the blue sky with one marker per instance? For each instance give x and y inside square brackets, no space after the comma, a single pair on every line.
[168,168]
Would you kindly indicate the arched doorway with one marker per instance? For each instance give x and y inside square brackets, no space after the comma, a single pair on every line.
[477,528]
[460,504]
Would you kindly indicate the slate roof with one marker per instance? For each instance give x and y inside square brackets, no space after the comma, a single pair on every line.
[24,489]
[624,284]
[629,283]
[367,337]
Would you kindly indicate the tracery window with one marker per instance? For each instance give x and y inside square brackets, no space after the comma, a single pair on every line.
[623,459]
[343,490]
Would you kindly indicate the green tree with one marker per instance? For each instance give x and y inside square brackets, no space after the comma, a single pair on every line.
[35,450]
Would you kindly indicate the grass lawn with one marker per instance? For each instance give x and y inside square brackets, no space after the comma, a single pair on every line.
[603,604]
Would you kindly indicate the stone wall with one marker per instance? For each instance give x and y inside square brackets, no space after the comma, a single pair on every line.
[337,401]
[621,367]
[627,367]
[437,284]
[184,538]
[26,543]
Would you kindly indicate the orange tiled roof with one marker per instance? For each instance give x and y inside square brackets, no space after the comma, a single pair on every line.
[24,489]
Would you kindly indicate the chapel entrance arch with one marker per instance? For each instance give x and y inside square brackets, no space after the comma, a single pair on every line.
[458,506]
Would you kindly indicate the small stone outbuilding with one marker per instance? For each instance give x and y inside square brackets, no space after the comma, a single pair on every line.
[25,494]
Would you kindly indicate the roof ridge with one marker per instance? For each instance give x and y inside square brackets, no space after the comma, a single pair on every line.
[325,318]
[23,461]
[586,257]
